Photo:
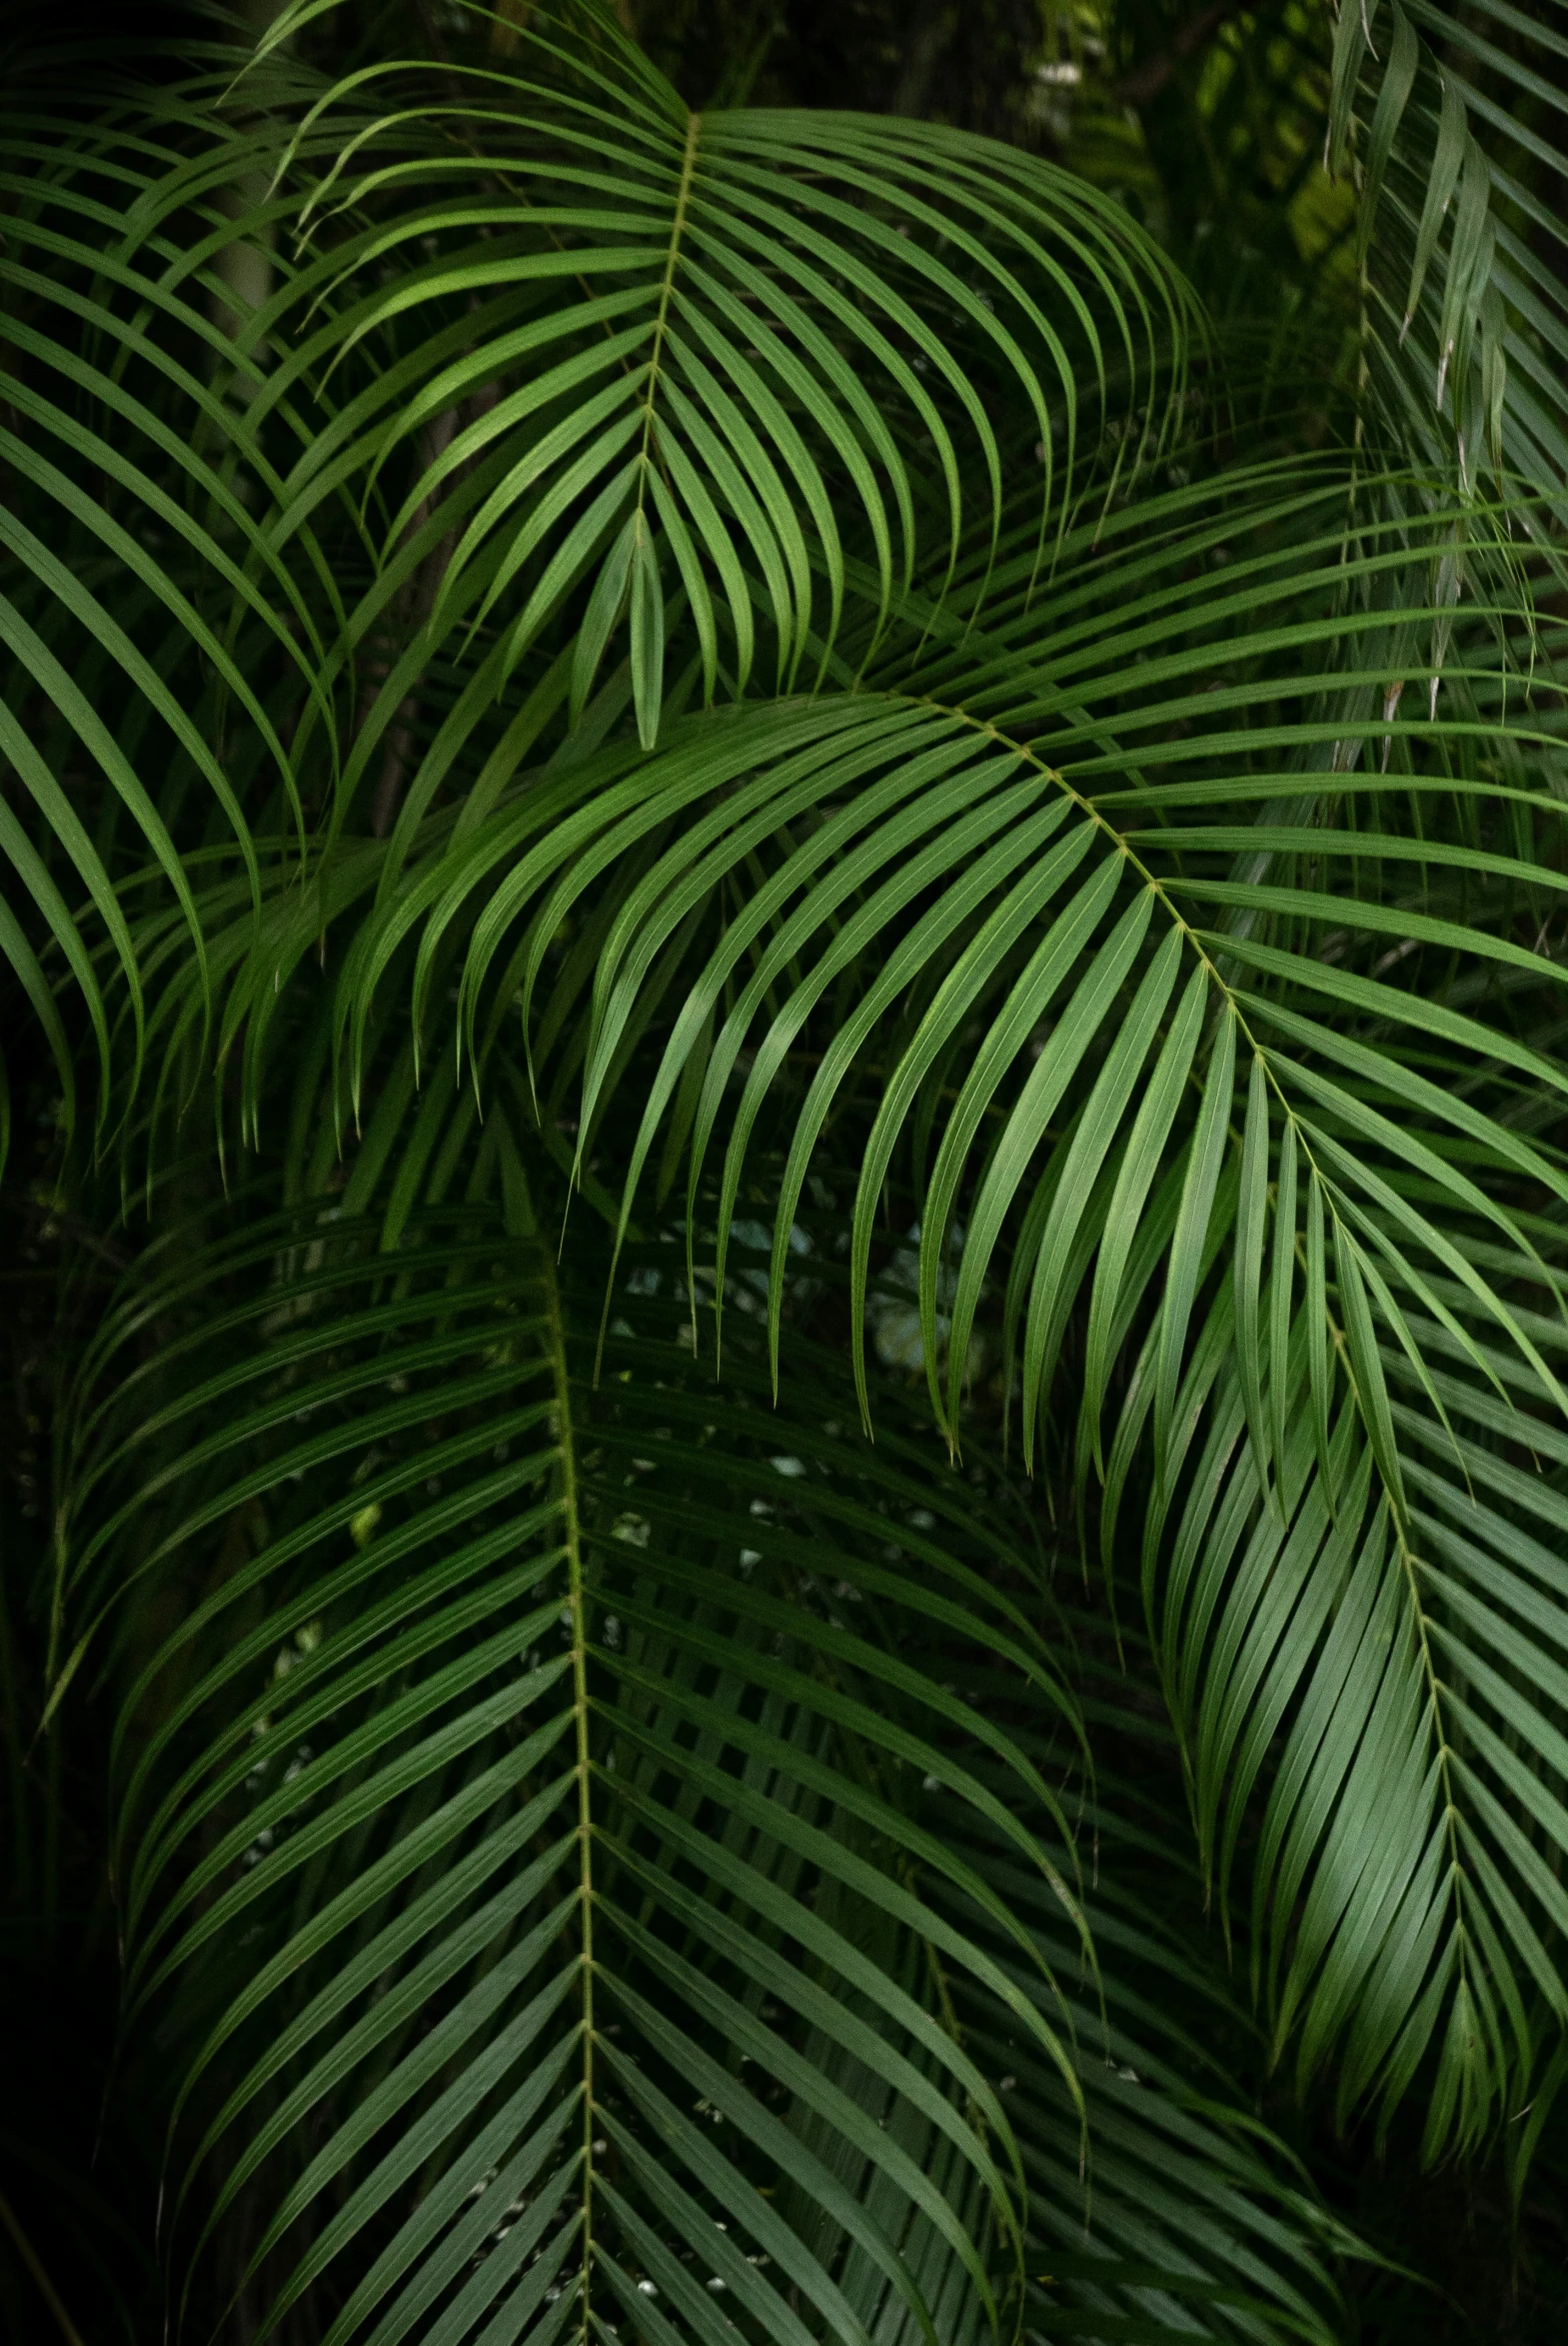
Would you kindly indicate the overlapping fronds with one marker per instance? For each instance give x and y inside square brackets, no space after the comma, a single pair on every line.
[580,1898]
[1192,2223]
[554,645]
[1455,130]
[399,405]
[1209,1102]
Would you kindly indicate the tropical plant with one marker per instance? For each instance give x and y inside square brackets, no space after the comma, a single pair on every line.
[786,1097]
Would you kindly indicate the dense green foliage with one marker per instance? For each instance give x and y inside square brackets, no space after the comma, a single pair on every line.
[785,814]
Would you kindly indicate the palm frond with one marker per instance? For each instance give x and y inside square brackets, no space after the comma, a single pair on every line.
[523,1774]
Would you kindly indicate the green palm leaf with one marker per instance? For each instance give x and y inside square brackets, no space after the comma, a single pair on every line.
[506,1798]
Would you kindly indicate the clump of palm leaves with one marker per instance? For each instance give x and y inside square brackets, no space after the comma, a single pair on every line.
[787,1007]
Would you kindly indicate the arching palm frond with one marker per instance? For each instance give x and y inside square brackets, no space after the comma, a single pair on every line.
[533,1841]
